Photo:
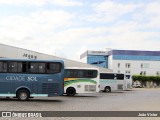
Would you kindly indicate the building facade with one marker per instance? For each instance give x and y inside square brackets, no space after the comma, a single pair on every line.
[97,58]
[7,51]
[126,61]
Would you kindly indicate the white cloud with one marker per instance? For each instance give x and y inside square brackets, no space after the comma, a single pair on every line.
[41,2]
[108,10]
[39,27]
[149,16]
[66,2]
[153,12]
[134,40]
[24,2]
[153,8]
[110,7]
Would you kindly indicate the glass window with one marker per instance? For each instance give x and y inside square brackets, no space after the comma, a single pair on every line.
[120,76]
[91,73]
[1,66]
[158,73]
[128,71]
[75,73]
[5,67]
[41,67]
[71,73]
[53,67]
[118,65]
[128,76]
[19,67]
[143,73]
[144,65]
[128,65]
[33,67]
[24,67]
[111,76]
[80,74]
[107,76]
[12,67]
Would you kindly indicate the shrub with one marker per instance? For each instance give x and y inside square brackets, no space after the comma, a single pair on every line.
[146,78]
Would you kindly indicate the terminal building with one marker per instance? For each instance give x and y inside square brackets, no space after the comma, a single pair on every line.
[125,61]
[19,53]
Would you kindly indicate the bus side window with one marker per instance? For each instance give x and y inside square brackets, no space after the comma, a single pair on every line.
[91,74]
[24,67]
[4,66]
[67,73]
[12,67]
[1,66]
[80,74]
[41,68]
[120,76]
[33,67]
[19,69]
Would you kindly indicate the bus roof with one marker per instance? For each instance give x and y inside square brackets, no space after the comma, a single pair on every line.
[30,60]
[81,68]
[112,73]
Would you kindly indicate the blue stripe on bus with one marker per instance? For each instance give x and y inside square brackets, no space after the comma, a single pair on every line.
[32,95]
[9,95]
[39,95]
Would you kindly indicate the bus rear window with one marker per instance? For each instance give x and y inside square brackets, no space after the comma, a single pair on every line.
[53,67]
[107,76]
[112,76]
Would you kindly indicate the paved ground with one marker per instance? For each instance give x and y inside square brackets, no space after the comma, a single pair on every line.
[135,100]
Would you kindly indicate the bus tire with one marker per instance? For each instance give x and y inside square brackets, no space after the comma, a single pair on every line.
[107,89]
[23,95]
[71,91]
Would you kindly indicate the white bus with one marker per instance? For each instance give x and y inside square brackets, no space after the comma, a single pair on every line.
[112,82]
[81,80]
[128,82]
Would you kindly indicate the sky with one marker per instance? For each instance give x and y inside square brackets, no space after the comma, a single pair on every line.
[67,28]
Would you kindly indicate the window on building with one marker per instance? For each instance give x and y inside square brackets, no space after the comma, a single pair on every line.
[128,65]
[119,71]
[144,65]
[128,72]
[119,65]
[158,73]
[143,73]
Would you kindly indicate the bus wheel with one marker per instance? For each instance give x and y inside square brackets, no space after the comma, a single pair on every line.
[107,89]
[71,91]
[23,95]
